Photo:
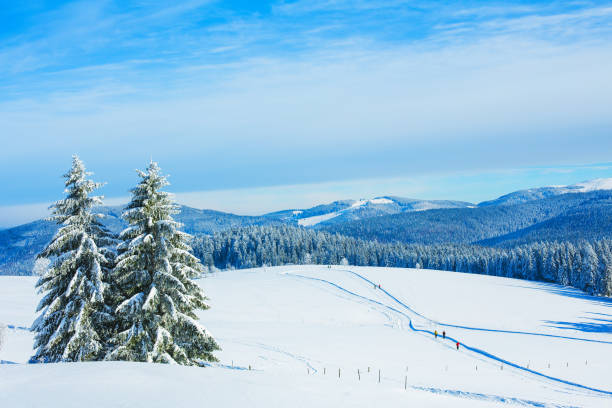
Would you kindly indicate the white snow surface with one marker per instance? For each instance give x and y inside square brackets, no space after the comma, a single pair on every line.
[314,220]
[381,201]
[593,185]
[310,221]
[296,326]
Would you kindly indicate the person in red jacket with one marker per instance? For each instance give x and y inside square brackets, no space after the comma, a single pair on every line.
[457,345]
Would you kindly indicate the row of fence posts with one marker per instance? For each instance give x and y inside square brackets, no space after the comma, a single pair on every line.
[359,374]
[405,377]
[501,367]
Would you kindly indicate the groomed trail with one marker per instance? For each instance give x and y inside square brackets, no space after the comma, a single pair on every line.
[476,350]
[469,327]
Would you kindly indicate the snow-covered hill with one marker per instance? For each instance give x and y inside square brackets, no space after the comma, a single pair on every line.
[349,210]
[592,185]
[522,196]
[360,209]
[318,336]
[19,245]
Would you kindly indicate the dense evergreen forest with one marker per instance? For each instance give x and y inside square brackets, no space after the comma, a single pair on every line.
[586,265]
[507,222]
[567,217]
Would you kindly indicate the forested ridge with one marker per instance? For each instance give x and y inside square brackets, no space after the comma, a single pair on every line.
[588,214]
[586,265]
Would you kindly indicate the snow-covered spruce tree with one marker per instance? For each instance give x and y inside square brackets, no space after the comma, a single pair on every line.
[73,315]
[157,298]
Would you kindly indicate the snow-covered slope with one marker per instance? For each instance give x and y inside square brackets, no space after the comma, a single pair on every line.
[318,336]
[592,185]
[316,219]
[522,196]
[349,210]
[374,207]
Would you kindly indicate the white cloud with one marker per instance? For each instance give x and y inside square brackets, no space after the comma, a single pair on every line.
[529,89]
[473,186]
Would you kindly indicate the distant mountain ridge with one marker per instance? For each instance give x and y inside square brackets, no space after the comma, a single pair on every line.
[590,220]
[571,216]
[348,210]
[531,194]
[20,245]
[580,211]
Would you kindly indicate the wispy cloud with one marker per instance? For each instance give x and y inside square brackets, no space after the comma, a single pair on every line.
[303,92]
[473,186]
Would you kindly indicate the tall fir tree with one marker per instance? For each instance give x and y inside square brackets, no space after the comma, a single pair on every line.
[156,296]
[73,315]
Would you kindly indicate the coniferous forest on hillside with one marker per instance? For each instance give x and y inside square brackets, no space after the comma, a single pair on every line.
[586,265]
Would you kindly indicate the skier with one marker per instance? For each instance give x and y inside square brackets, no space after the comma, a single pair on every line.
[379,286]
[457,345]
[436,334]
[443,334]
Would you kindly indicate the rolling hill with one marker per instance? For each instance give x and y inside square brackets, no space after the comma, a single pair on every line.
[571,213]
[475,225]
[315,336]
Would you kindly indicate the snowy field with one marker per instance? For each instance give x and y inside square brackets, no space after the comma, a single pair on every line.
[319,337]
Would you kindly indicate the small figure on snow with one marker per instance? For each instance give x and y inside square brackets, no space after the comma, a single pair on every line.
[436,334]
[443,334]
[457,345]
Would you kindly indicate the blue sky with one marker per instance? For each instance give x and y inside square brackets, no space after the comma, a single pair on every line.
[253,106]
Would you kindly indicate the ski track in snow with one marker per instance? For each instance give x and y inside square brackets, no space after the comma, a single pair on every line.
[13,327]
[226,366]
[469,327]
[520,332]
[275,349]
[288,354]
[475,350]
[485,397]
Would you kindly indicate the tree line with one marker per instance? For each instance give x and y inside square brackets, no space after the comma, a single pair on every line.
[586,265]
